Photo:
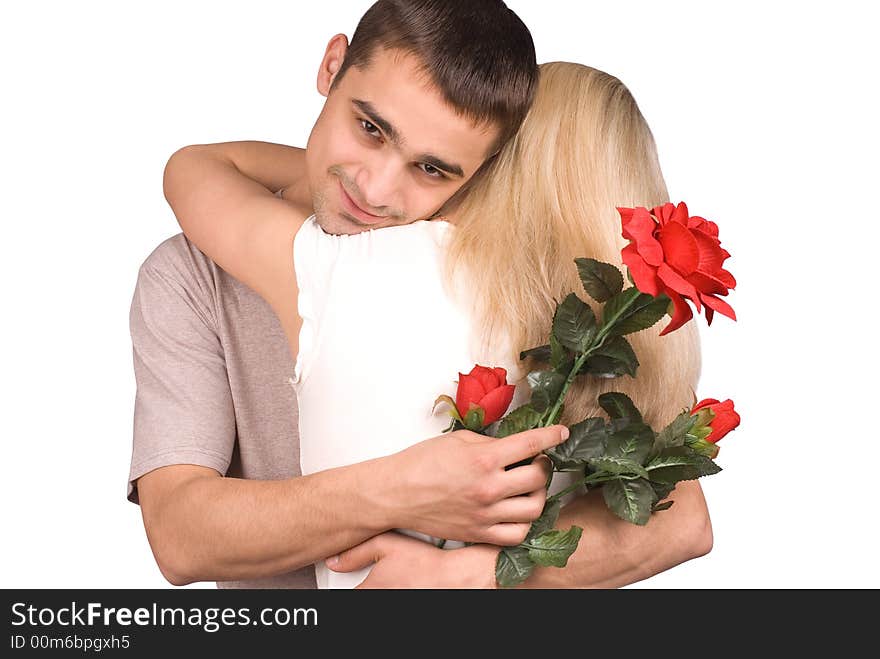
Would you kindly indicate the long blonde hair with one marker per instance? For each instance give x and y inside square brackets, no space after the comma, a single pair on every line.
[550,197]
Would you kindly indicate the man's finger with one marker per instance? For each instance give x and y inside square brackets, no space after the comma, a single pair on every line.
[525,509]
[544,463]
[359,556]
[523,480]
[529,443]
[507,535]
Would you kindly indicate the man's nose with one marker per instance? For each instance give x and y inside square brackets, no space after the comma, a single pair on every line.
[380,183]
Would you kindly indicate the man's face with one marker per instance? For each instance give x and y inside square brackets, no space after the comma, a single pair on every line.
[387,150]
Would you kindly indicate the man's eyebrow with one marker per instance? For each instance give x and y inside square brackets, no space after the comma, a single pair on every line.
[436,163]
[375,118]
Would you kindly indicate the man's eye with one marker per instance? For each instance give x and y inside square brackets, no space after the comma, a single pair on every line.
[369,128]
[431,171]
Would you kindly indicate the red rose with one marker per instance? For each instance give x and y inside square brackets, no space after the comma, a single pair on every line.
[681,256]
[486,388]
[725,420]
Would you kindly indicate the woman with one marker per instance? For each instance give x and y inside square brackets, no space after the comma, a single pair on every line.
[430,299]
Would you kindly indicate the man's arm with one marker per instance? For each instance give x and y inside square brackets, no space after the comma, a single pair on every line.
[611,553]
[614,553]
[204,527]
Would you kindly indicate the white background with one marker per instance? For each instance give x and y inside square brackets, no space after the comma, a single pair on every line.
[765,118]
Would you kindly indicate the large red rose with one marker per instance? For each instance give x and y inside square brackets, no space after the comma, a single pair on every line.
[725,420]
[486,388]
[672,253]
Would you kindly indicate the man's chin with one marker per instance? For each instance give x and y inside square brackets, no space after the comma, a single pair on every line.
[342,224]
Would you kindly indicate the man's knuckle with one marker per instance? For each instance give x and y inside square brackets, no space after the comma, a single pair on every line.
[483,518]
[485,493]
[534,444]
[484,462]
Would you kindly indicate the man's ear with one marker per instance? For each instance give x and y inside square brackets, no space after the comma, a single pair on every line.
[332,61]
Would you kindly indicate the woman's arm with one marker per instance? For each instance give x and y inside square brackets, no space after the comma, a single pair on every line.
[222,196]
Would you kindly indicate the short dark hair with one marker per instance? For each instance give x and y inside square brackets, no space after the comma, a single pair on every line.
[478,53]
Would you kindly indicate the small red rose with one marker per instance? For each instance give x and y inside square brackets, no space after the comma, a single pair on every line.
[681,256]
[725,419]
[486,388]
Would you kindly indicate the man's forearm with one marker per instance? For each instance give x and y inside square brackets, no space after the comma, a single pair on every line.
[225,529]
[614,553]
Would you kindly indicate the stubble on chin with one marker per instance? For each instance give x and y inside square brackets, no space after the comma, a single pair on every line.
[319,204]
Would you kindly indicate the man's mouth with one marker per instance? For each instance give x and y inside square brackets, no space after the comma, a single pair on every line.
[351,207]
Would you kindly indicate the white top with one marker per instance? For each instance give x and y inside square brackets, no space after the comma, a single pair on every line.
[380,340]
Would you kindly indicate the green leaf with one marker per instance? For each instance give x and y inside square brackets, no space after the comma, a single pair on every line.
[554,353]
[615,358]
[618,307]
[574,324]
[513,566]
[601,281]
[448,400]
[619,406]
[546,521]
[632,440]
[631,500]
[552,548]
[546,387]
[662,490]
[680,464]
[473,420]
[521,419]
[666,505]
[631,311]
[619,466]
[701,446]
[558,354]
[586,441]
[540,354]
[674,434]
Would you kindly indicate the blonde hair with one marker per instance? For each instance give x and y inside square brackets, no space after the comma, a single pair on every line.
[552,196]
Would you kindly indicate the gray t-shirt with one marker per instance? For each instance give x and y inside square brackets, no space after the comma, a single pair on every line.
[212,366]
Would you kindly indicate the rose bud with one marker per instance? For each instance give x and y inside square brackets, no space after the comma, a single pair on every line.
[487,389]
[714,420]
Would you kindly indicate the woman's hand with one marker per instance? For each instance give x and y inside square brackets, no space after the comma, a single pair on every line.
[403,562]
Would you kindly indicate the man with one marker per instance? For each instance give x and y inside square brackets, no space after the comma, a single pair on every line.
[395,142]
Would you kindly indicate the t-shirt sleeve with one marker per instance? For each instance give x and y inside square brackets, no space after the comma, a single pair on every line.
[183,411]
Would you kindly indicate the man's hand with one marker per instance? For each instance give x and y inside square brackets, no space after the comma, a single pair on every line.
[403,562]
[455,486]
